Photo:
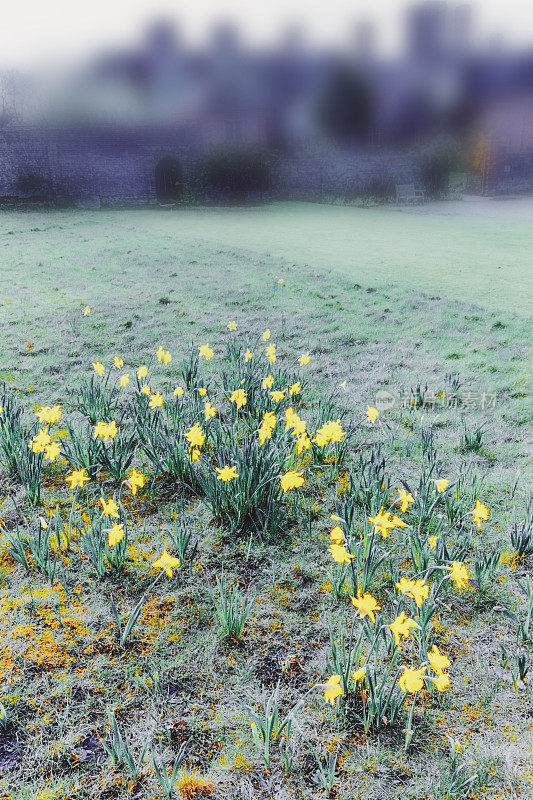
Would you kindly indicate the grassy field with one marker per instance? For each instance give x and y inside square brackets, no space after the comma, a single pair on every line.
[383,301]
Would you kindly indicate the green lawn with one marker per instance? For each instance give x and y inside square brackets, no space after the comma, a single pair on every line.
[382,300]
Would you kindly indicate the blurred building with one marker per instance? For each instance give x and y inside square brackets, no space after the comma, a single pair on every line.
[163,123]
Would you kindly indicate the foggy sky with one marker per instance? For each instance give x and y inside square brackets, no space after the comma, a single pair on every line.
[35,32]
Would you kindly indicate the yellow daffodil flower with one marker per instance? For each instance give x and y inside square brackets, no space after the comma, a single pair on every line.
[52,451]
[271,353]
[438,661]
[166,562]
[238,397]
[366,604]
[372,414]
[195,436]
[459,574]
[226,473]
[333,689]
[156,400]
[205,351]
[109,507]
[115,534]
[329,432]
[277,395]
[412,680]
[136,480]
[405,499]
[40,442]
[77,477]
[402,627]
[292,480]
[480,513]
[48,415]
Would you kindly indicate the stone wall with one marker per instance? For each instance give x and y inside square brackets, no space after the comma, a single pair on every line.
[112,166]
[347,174]
[99,167]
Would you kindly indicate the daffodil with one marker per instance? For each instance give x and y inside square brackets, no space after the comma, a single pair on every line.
[405,499]
[205,351]
[77,477]
[124,380]
[292,480]
[402,626]
[266,335]
[115,534]
[248,355]
[238,397]
[167,563]
[178,391]
[329,432]
[226,473]
[372,414]
[194,454]
[232,326]
[432,542]
[340,554]
[98,367]
[459,574]
[118,362]
[412,680]
[277,395]
[136,480]
[209,410]
[163,355]
[40,441]
[304,359]
[195,436]
[109,507]
[417,589]
[268,382]
[271,353]
[438,661]
[366,604]
[202,391]
[145,388]
[105,430]
[52,451]
[303,442]
[480,513]
[142,372]
[156,400]
[442,682]
[336,535]
[333,689]
[441,484]
[48,415]
[269,418]
[264,433]
[295,388]
[359,675]
[384,522]
[86,311]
